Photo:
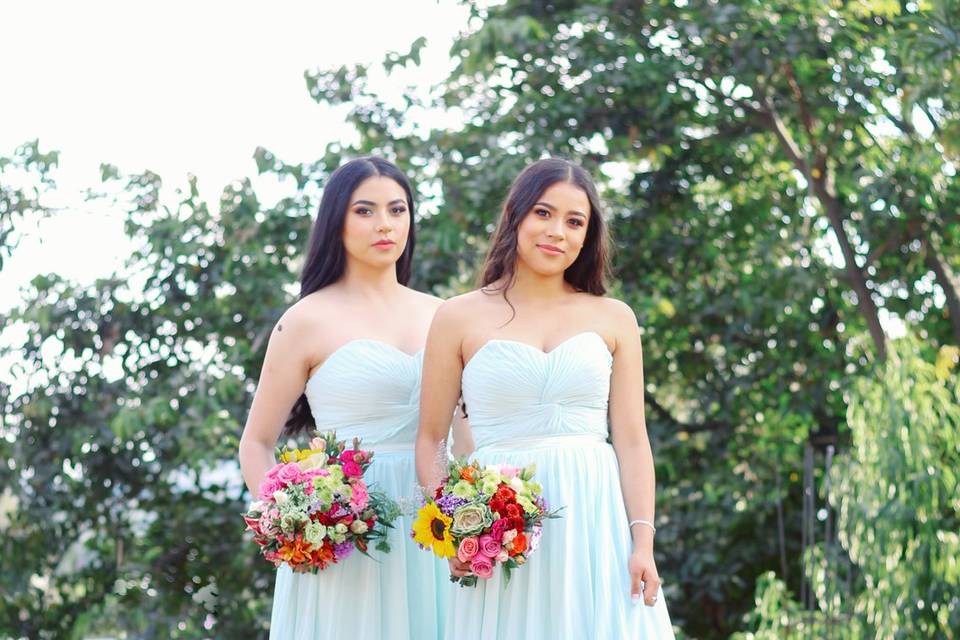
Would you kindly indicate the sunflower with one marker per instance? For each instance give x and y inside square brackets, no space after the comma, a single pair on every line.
[431,530]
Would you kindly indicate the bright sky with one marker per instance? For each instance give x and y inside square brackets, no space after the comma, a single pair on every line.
[180,87]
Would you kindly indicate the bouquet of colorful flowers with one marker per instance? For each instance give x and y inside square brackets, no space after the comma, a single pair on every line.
[314,507]
[485,516]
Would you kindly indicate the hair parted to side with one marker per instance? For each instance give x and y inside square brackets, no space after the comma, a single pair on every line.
[327,257]
[589,271]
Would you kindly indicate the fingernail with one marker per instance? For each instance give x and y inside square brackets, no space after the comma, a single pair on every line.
[635,598]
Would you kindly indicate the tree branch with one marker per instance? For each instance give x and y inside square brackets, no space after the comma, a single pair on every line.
[947,280]
[665,414]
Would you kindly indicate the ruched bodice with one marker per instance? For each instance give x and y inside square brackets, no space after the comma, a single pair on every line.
[550,409]
[369,389]
[514,390]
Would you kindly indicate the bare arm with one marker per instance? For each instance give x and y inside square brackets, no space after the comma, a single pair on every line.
[282,381]
[632,446]
[463,444]
[440,389]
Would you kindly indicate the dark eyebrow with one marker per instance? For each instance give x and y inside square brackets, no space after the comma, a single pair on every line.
[553,208]
[373,204]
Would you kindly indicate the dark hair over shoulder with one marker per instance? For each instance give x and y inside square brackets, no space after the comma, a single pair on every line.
[589,271]
[327,257]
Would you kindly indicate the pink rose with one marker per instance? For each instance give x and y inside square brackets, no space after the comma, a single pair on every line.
[509,472]
[360,497]
[289,473]
[489,546]
[482,566]
[503,556]
[352,470]
[268,488]
[499,528]
[468,549]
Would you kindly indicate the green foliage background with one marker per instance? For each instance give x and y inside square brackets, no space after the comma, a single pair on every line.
[779,177]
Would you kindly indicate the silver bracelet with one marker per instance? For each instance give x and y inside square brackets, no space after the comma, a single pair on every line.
[644,522]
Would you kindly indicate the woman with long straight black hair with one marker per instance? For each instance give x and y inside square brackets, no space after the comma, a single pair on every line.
[347,356]
[551,371]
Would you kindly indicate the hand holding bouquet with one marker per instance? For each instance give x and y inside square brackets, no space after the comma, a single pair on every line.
[485,516]
[314,508]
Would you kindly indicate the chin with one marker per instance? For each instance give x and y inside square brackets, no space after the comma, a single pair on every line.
[545,267]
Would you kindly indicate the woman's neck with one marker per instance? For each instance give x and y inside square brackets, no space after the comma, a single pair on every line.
[368,282]
[530,286]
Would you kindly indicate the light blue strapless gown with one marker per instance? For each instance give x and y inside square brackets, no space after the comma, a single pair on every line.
[369,389]
[526,406]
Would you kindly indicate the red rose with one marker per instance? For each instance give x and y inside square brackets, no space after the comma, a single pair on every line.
[498,506]
[505,493]
[513,511]
[517,523]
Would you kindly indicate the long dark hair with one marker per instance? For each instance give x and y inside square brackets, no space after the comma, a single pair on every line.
[327,258]
[589,271]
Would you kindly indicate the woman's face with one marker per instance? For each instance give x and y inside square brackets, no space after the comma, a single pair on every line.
[377,222]
[551,235]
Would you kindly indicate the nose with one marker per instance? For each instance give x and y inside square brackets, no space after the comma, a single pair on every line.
[383,223]
[555,230]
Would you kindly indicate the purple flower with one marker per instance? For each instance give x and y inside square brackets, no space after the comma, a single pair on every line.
[450,503]
[343,549]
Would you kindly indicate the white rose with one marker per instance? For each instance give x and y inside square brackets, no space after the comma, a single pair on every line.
[508,536]
[315,461]
[281,497]
[359,527]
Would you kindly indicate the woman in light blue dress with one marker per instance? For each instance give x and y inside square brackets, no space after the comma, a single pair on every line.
[347,356]
[546,362]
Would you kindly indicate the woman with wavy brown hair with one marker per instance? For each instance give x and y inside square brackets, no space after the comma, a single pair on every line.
[551,372]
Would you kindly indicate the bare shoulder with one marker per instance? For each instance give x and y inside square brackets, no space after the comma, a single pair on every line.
[424,300]
[461,308]
[303,316]
[618,312]
[615,319]
[466,302]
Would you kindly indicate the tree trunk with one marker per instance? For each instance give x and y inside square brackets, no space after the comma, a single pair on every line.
[834,211]
[947,280]
[821,188]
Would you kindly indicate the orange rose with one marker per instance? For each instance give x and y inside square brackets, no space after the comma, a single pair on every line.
[519,544]
[467,474]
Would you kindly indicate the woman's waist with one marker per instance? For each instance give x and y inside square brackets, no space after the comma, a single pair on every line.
[522,442]
[380,439]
